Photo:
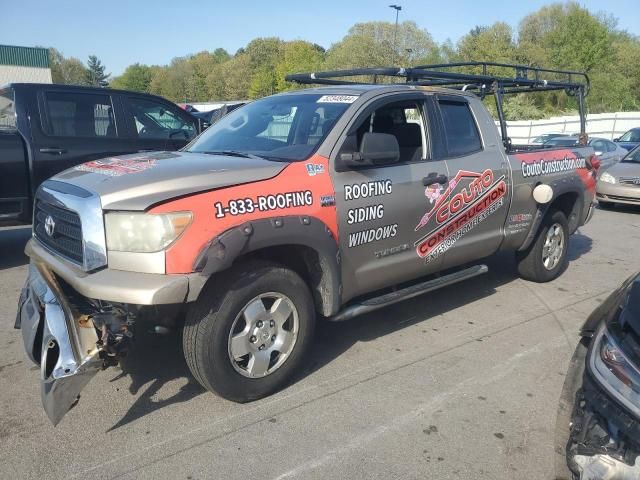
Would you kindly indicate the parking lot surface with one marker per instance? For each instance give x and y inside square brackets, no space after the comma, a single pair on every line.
[460,383]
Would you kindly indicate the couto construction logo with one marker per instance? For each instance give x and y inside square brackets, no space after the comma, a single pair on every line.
[457,214]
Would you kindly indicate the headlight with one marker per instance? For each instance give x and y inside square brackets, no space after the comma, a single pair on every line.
[614,372]
[608,178]
[144,232]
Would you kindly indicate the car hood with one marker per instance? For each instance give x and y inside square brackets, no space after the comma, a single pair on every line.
[625,169]
[138,181]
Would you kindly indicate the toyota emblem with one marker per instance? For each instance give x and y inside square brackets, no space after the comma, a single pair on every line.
[49,225]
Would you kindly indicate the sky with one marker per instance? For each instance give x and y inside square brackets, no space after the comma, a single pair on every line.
[122,32]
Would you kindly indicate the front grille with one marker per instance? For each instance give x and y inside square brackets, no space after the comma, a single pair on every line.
[630,181]
[66,239]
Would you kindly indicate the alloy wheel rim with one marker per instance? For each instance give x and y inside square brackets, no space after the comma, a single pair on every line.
[263,335]
[553,247]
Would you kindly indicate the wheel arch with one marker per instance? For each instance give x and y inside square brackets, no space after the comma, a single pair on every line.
[571,204]
[301,243]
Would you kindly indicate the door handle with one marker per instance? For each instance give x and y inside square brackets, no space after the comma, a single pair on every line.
[53,150]
[433,177]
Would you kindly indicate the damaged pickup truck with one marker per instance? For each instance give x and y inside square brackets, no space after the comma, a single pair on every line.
[326,202]
[598,426]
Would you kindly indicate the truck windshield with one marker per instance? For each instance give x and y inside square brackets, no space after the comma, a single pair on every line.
[283,127]
[7,109]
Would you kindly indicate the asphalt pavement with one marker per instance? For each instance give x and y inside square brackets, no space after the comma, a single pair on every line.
[462,383]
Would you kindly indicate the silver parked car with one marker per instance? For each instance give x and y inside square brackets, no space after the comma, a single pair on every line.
[543,138]
[621,183]
[608,152]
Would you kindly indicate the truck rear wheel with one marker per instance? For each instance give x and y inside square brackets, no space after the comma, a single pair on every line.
[245,339]
[546,257]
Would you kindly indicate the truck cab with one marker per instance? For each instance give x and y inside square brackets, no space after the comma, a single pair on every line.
[45,129]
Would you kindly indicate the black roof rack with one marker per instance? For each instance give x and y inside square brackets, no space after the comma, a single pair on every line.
[525,79]
[466,76]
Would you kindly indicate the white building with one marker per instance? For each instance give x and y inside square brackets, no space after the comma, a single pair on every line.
[24,64]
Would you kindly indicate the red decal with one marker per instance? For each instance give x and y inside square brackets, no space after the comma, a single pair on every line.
[115,167]
[442,208]
[440,234]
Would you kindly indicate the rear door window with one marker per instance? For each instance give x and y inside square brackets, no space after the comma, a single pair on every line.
[79,115]
[155,120]
[7,109]
[460,129]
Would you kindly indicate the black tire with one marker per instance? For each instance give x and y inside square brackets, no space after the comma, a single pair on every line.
[207,329]
[606,205]
[530,261]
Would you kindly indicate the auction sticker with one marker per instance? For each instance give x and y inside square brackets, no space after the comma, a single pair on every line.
[337,99]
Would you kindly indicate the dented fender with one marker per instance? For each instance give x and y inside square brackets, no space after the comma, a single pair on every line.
[296,230]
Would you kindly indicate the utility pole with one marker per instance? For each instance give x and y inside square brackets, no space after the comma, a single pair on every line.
[397,8]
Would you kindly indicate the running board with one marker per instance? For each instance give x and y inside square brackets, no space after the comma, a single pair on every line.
[387,299]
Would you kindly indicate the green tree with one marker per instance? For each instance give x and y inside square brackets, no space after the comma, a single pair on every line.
[69,71]
[231,80]
[263,52]
[95,73]
[263,82]
[136,77]
[297,56]
[371,44]
[492,44]
[579,40]
[533,31]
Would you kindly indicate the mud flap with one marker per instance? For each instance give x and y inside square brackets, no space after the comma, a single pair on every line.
[69,357]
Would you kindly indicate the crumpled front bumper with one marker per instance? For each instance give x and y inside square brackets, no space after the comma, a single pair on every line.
[54,338]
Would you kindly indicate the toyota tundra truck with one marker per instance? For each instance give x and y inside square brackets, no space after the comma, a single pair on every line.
[323,203]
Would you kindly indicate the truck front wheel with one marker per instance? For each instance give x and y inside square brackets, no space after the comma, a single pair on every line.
[546,258]
[244,338]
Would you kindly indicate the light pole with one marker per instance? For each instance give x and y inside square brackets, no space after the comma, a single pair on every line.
[397,8]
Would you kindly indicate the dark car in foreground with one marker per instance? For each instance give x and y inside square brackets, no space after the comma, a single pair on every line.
[630,139]
[598,427]
[45,129]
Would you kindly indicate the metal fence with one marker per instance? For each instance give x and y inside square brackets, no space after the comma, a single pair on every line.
[606,125]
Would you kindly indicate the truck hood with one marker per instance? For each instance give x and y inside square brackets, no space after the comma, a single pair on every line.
[623,169]
[138,181]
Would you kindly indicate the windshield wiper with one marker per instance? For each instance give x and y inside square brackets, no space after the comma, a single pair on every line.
[230,153]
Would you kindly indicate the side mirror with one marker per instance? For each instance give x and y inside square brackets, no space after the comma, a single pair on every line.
[375,149]
[616,139]
[202,125]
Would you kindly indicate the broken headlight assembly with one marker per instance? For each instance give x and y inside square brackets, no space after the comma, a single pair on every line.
[144,232]
[614,371]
